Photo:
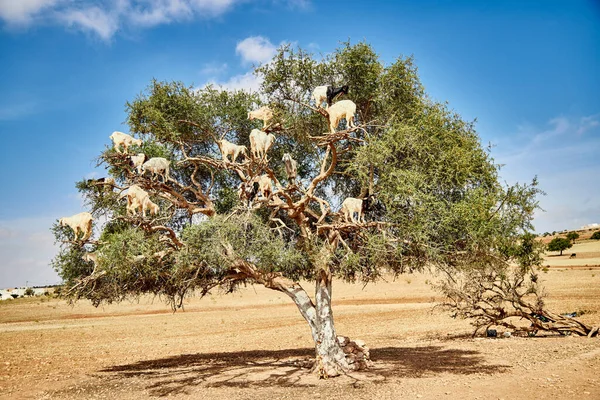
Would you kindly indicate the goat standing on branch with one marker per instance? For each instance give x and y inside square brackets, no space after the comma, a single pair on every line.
[157,166]
[122,139]
[291,167]
[352,206]
[264,113]
[327,93]
[227,148]
[338,111]
[80,223]
[137,161]
[260,143]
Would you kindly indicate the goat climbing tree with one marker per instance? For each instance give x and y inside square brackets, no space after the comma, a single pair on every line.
[432,194]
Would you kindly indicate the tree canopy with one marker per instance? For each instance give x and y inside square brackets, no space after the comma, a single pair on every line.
[434,192]
[559,244]
[572,236]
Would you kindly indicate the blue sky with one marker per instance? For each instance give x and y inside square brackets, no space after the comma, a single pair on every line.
[529,71]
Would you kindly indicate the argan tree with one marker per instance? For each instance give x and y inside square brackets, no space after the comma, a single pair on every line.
[431,193]
[559,244]
[573,236]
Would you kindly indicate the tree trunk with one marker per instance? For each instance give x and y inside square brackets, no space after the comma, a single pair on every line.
[330,357]
[305,306]
[331,360]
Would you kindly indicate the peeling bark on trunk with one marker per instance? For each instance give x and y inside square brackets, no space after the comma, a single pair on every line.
[331,359]
[305,306]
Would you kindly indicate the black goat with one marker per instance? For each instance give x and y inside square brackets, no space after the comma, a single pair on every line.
[248,191]
[373,208]
[333,92]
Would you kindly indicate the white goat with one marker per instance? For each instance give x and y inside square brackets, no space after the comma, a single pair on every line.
[120,138]
[150,206]
[157,166]
[264,113]
[319,94]
[260,142]
[228,148]
[136,197]
[265,185]
[327,93]
[81,222]
[137,161]
[269,142]
[291,167]
[350,206]
[93,257]
[341,109]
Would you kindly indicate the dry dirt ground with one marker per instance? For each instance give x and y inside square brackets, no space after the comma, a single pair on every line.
[254,345]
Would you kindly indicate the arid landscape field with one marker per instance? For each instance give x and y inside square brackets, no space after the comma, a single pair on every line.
[254,344]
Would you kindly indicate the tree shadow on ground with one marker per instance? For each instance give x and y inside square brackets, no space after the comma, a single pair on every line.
[288,368]
[416,362]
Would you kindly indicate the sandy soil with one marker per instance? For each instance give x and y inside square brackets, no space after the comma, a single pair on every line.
[254,345]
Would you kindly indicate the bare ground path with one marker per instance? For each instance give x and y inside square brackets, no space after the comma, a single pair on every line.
[254,345]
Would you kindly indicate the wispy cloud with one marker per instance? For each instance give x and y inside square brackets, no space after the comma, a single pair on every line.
[17,110]
[564,156]
[213,69]
[561,135]
[588,123]
[106,17]
[93,19]
[248,82]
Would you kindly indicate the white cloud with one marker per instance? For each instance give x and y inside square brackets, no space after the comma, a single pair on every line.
[155,12]
[106,17]
[92,19]
[255,49]
[248,82]
[252,49]
[20,12]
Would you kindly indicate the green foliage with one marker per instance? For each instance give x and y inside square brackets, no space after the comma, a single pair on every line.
[559,244]
[572,236]
[595,235]
[441,203]
[218,243]
[29,292]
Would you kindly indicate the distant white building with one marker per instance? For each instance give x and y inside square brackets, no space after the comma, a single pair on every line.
[9,294]
[590,226]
